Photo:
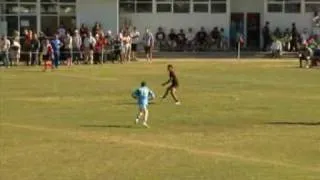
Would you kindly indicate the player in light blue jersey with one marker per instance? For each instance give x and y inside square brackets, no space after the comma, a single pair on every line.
[143,95]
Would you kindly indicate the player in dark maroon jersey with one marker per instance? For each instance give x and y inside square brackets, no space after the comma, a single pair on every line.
[174,84]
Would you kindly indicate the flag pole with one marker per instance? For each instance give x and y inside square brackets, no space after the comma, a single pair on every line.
[239,47]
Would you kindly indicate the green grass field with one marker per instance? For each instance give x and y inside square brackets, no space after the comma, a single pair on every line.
[248,120]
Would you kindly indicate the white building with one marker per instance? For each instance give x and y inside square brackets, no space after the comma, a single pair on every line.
[249,15]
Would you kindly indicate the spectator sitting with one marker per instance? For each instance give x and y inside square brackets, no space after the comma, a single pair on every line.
[277,33]
[161,39]
[201,39]
[305,35]
[190,39]
[276,48]
[215,37]
[181,40]
[224,39]
[172,40]
[287,39]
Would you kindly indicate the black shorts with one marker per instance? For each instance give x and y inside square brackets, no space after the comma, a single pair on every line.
[134,47]
[174,86]
[67,53]
[46,57]
[147,49]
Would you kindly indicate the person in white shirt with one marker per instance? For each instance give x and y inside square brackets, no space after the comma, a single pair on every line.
[190,39]
[305,35]
[135,34]
[276,48]
[62,31]
[15,52]
[68,49]
[76,46]
[4,50]
[89,44]
[127,45]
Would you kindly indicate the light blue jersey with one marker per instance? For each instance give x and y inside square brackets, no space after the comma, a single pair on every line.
[143,94]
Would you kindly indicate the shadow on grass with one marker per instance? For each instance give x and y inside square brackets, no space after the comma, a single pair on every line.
[107,126]
[133,103]
[295,123]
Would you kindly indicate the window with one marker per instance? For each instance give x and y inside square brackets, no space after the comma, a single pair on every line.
[201,6]
[218,6]
[275,8]
[181,6]
[135,6]
[286,6]
[292,6]
[164,6]
[312,5]
[144,6]
[27,8]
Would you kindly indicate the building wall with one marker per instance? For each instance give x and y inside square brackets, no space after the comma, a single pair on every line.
[103,11]
[177,21]
[303,20]
[252,6]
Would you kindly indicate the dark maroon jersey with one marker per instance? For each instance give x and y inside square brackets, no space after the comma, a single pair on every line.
[173,78]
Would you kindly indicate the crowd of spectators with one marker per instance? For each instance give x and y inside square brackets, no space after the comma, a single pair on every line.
[95,45]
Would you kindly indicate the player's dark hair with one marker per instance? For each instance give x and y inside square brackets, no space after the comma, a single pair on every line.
[143,83]
[170,66]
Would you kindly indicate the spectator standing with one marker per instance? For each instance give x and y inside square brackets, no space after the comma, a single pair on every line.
[35,47]
[117,49]
[68,49]
[62,31]
[84,31]
[15,51]
[127,46]
[76,46]
[266,36]
[295,38]
[135,34]
[4,50]
[89,44]
[56,45]
[47,52]
[148,40]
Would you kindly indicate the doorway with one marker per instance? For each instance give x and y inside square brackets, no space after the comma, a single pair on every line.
[253,31]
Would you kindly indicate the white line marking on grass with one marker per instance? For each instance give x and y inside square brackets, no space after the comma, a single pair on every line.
[50,99]
[121,140]
[86,77]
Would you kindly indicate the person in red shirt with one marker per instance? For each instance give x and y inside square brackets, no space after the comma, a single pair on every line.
[99,48]
[47,55]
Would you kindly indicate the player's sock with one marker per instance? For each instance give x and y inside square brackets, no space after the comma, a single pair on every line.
[138,117]
[146,115]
